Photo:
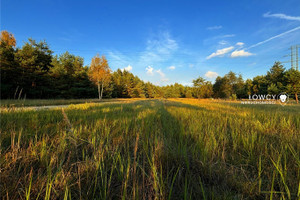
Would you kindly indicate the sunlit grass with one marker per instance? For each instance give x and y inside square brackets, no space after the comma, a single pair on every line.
[11,103]
[152,149]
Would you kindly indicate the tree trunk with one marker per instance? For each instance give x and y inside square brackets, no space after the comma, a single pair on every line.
[99,90]
[296,96]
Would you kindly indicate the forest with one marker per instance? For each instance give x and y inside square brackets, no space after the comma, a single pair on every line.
[33,71]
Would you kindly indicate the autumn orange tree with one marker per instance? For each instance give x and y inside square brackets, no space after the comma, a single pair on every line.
[99,73]
[8,38]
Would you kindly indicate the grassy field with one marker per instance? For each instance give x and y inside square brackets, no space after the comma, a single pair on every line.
[151,149]
[12,103]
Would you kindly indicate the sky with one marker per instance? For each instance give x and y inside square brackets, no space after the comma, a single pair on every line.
[163,41]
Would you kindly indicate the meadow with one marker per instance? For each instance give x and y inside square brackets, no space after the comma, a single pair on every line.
[15,103]
[151,149]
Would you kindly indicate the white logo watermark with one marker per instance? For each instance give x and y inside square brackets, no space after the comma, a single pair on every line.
[281,98]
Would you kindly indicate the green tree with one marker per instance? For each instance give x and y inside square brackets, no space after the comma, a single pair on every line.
[272,89]
[275,77]
[149,90]
[188,92]
[248,87]
[293,80]
[260,85]
[35,60]
[202,88]
[9,68]
[222,87]
[70,78]
[239,87]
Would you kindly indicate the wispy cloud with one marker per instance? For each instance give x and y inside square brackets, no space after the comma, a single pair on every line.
[227,36]
[117,59]
[162,75]
[214,28]
[252,64]
[220,52]
[281,16]
[222,36]
[240,53]
[171,67]
[164,80]
[274,37]
[159,49]
[149,70]
[211,74]
[223,42]
[239,44]
[70,35]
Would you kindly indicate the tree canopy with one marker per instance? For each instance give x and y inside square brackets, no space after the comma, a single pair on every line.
[32,71]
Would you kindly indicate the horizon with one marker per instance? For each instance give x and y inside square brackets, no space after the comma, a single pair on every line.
[155,43]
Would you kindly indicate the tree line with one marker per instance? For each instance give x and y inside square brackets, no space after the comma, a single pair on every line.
[32,71]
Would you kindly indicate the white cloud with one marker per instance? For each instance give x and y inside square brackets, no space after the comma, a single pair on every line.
[274,37]
[223,42]
[159,48]
[282,16]
[162,75]
[211,74]
[163,43]
[186,83]
[128,68]
[149,70]
[171,67]
[240,53]
[214,27]
[228,35]
[220,52]
[223,36]
[239,44]
[117,59]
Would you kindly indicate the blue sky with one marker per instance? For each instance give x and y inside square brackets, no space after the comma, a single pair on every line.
[163,41]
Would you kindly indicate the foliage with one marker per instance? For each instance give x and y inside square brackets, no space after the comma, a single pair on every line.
[99,73]
[202,88]
[8,39]
[293,79]
[276,77]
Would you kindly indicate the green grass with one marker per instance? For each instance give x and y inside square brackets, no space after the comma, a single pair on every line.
[10,103]
[152,149]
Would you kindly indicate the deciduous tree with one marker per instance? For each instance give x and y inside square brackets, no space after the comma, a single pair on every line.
[7,38]
[203,88]
[99,73]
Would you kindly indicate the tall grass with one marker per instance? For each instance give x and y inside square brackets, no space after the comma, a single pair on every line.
[152,149]
[13,103]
